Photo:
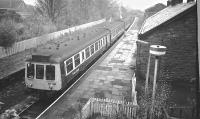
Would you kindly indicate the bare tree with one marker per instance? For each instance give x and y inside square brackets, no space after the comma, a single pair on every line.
[50,9]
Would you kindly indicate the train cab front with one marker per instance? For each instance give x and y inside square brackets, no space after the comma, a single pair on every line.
[42,76]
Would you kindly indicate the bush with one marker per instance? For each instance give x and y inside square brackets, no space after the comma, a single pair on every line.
[8,33]
[37,25]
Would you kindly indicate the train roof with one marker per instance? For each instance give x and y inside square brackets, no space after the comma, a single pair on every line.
[60,49]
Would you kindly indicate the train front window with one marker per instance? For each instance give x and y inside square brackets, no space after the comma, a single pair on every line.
[39,71]
[30,70]
[77,60]
[50,72]
[69,65]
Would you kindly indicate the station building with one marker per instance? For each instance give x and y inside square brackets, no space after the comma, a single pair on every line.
[176,28]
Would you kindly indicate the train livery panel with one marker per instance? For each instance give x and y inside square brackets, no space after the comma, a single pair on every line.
[53,65]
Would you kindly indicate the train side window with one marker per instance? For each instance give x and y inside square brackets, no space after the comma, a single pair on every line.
[39,71]
[99,44]
[69,65]
[87,52]
[92,49]
[83,56]
[30,70]
[50,72]
[77,60]
[96,46]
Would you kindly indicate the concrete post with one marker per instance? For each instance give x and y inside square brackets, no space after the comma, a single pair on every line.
[154,86]
[157,51]
[147,75]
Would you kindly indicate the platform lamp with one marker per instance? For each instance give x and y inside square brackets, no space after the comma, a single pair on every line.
[157,51]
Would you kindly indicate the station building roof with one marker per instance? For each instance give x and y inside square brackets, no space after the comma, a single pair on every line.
[164,16]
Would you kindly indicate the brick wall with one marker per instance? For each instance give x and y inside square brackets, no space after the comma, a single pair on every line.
[180,38]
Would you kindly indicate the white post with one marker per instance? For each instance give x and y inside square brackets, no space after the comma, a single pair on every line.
[156,50]
[147,75]
[154,86]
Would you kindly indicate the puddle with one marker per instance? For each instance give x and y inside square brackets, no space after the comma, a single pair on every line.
[123,69]
[104,68]
[99,94]
[116,61]
[126,49]
[119,52]
[83,100]
[119,82]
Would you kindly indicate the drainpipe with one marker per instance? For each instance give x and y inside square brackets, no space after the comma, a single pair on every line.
[198,62]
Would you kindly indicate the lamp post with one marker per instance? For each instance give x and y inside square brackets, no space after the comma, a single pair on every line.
[157,51]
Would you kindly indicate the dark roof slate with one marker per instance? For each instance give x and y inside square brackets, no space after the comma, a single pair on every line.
[164,16]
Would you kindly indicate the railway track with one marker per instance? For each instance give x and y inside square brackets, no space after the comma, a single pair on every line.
[33,110]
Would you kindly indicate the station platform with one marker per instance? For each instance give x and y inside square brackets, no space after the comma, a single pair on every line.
[111,77]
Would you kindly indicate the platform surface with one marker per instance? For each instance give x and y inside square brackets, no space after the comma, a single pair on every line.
[109,78]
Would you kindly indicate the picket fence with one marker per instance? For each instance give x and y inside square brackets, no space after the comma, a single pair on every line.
[107,107]
[34,42]
[134,92]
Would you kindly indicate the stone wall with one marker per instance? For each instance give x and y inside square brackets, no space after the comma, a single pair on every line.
[180,38]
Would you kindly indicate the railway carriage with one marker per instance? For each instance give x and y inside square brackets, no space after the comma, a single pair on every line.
[53,65]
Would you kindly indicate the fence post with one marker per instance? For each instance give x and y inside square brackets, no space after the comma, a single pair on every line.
[90,112]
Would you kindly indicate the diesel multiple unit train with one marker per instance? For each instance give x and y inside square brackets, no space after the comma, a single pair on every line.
[53,65]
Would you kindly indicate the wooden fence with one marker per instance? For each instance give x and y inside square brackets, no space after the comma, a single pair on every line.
[34,42]
[134,92]
[108,108]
